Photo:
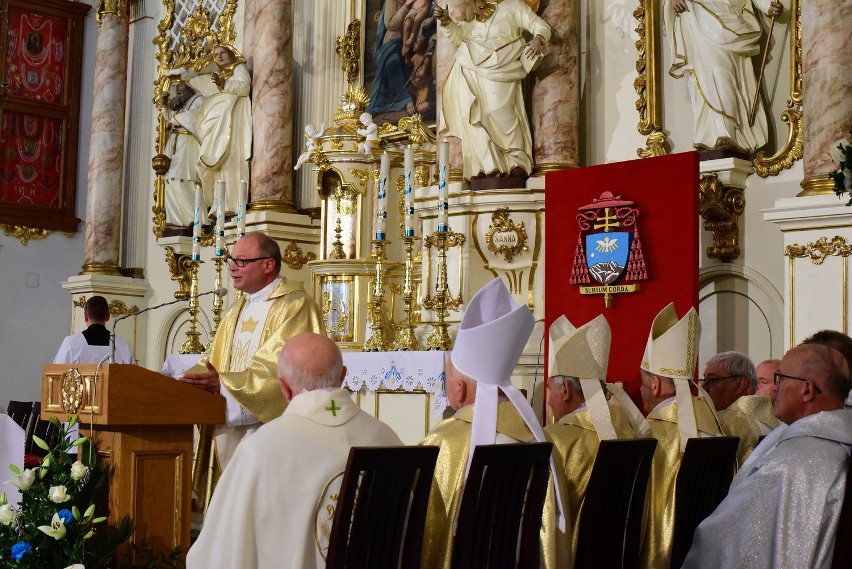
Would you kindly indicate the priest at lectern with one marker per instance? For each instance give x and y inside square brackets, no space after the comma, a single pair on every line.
[246,348]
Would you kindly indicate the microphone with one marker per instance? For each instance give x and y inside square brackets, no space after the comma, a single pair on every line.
[220,292]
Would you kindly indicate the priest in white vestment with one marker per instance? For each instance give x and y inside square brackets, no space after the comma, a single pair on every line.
[784,503]
[483,102]
[91,346]
[246,348]
[268,511]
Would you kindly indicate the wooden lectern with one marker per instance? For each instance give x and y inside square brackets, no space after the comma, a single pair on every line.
[142,423]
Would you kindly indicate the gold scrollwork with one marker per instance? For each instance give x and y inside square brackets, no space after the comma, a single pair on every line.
[72,391]
[818,251]
[295,258]
[349,51]
[647,82]
[504,237]
[329,305]
[181,269]
[765,166]
[362,176]
[720,206]
[418,133]
[119,308]
[24,234]
[114,7]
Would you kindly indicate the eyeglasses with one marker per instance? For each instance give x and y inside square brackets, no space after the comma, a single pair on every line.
[243,262]
[778,375]
[712,380]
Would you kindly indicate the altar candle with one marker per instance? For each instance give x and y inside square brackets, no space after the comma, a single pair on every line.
[241,209]
[196,225]
[220,218]
[409,192]
[382,212]
[443,198]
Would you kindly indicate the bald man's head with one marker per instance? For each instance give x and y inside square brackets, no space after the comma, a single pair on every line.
[310,361]
[813,378]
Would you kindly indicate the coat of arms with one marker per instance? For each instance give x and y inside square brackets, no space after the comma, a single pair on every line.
[608,248]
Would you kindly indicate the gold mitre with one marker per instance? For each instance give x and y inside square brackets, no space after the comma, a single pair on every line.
[579,352]
[672,344]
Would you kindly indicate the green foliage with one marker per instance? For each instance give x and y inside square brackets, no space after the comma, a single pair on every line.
[143,556]
[55,524]
[842,176]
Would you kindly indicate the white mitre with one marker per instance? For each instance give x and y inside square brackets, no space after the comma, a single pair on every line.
[671,351]
[490,341]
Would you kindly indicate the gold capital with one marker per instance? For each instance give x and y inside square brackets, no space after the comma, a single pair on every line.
[115,7]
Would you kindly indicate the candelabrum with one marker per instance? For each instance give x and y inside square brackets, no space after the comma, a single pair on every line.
[407,340]
[192,344]
[442,302]
[378,341]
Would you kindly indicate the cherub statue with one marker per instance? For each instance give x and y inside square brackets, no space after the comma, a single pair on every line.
[370,132]
[312,134]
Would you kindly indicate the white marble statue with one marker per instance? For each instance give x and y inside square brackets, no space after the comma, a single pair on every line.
[482,102]
[370,132]
[182,148]
[712,44]
[224,127]
[312,134]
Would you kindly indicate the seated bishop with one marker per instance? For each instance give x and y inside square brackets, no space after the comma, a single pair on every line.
[586,409]
[675,416]
[490,341]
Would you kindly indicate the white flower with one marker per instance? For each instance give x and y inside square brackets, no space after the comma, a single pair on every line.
[836,153]
[7,514]
[58,494]
[23,480]
[847,179]
[78,470]
[56,529]
[76,566]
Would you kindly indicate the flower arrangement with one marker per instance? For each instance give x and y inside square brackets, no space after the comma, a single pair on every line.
[53,525]
[842,155]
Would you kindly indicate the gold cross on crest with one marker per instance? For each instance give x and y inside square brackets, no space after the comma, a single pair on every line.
[609,221]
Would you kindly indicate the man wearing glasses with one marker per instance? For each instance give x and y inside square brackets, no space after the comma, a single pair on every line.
[242,361]
[784,503]
[728,377]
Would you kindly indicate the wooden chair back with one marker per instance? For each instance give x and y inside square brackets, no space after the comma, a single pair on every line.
[381,509]
[610,524]
[705,475]
[501,508]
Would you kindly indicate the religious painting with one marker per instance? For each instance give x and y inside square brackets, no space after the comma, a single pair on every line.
[399,62]
[39,113]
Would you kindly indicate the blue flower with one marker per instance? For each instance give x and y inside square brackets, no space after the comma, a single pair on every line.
[20,549]
[66,516]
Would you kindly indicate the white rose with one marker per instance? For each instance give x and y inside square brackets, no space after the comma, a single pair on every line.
[7,514]
[58,494]
[76,566]
[78,470]
[23,480]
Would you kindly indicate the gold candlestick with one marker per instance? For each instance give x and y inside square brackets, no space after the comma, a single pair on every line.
[337,251]
[378,341]
[192,344]
[218,302]
[439,339]
[407,340]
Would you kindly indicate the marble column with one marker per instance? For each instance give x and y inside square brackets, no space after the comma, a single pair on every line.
[826,87]
[444,57]
[555,94]
[272,106]
[106,142]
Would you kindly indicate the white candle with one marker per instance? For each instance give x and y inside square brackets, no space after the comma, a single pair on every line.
[241,209]
[443,196]
[409,192]
[382,212]
[220,218]
[196,225]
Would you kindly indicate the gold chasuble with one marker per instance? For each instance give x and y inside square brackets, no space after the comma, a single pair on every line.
[660,505]
[255,388]
[452,436]
[735,423]
[575,446]
[758,408]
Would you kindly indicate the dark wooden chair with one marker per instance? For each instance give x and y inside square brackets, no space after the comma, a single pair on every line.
[610,525]
[705,475]
[381,509]
[842,558]
[501,508]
